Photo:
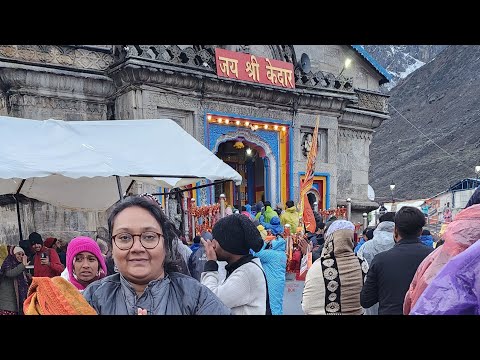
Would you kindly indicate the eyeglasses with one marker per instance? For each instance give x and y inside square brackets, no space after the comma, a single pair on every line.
[148,239]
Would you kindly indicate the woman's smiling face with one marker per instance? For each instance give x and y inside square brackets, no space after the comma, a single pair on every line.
[138,265]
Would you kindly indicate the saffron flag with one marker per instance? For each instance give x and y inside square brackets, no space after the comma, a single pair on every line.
[306,210]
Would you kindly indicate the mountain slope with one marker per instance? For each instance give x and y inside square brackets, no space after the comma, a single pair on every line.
[441,100]
[401,60]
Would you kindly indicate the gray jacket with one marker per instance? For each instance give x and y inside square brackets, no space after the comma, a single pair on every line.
[8,297]
[175,294]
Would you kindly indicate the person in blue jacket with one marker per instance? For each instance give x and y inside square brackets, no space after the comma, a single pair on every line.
[426,238]
[274,262]
[274,226]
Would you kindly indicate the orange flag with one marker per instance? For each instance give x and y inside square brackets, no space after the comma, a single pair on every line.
[305,208]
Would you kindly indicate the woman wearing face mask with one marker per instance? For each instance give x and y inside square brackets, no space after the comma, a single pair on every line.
[13,282]
[148,281]
[85,262]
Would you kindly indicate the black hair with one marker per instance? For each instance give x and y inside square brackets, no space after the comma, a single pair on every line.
[389,216]
[244,208]
[267,203]
[289,203]
[426,232]
[369,234]
[409,221]
[169,231]
[196,239]
[319,224]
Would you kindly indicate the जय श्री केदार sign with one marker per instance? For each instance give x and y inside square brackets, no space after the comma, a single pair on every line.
[256,69]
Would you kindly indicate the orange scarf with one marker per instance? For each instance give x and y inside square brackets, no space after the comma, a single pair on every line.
[55,296]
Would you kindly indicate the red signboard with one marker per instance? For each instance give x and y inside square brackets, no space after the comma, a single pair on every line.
[247,67]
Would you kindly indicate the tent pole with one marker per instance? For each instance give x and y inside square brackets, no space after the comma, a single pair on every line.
[119,186]
[18,209]
[18,218]
[129,187]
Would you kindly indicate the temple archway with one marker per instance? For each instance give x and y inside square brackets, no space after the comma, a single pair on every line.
[264,152]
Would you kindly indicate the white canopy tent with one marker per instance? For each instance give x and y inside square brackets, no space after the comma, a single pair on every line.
[84,164]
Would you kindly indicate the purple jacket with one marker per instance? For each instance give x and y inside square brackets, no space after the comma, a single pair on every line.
[456,288]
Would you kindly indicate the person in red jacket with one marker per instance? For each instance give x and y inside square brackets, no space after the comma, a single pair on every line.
[46,262]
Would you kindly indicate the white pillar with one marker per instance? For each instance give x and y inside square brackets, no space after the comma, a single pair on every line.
[222,205]
[349,209]
[193,219]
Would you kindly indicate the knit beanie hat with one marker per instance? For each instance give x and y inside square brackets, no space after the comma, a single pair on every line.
[35,238]
[237,235]
[78,245]
[17,249]
[50,241]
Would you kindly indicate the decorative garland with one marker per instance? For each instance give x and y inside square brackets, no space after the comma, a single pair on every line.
[208,213]
[339,212]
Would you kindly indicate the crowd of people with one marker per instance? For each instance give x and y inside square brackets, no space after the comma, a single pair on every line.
[140,266]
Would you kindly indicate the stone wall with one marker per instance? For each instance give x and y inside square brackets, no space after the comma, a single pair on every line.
[47,220]
[331,58]
[330,124]
[3,104]
[353,163]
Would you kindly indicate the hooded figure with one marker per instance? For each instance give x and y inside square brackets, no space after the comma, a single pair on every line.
[274,262]
[290,216]
[249,210]
[382,241]
[275,227]
[460,234]
[454,290]
[426,238]
[334,282]
[269,213]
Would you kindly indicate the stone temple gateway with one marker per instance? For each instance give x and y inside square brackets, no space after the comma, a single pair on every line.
[262,130]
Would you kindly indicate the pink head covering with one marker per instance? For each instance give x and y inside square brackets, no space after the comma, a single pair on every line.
[78,245]
[460,234]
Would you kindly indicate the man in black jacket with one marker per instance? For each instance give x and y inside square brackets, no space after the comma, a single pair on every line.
[392,271]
